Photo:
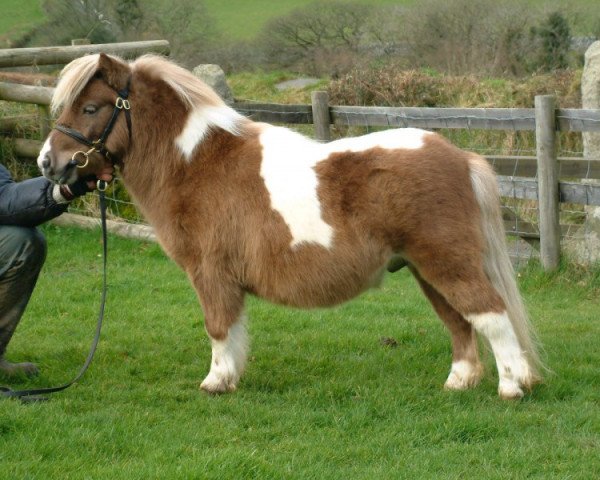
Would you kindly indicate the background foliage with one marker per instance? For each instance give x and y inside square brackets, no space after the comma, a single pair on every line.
[329,37]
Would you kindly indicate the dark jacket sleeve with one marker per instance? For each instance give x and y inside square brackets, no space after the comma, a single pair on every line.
[27,203]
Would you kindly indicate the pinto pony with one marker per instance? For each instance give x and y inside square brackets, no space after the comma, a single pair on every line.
[251,208]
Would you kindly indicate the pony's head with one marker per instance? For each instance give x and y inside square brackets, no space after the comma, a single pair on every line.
[169,106]
[89,94]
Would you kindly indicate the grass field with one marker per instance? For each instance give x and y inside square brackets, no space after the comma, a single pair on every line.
[322,397]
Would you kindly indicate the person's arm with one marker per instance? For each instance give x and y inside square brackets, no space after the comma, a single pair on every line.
[30,202]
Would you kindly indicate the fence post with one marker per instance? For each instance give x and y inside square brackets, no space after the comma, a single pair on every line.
[321,118]
[547,171]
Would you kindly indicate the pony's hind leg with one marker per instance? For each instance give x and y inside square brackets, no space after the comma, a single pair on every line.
[225,324]
[466,369]
[465,286]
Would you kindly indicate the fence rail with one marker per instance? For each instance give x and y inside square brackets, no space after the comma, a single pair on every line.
[509,168]
[20,57]
[568,119]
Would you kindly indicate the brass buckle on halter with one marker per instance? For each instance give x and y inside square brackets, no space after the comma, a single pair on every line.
[86,155]
[121,103]
[101,185]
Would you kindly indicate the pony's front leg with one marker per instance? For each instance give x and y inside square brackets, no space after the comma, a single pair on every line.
[225,324]
[228,359]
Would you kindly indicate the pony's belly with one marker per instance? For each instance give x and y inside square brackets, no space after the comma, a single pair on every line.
[321,283]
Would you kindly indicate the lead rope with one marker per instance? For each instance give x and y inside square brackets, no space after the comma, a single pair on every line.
[36,394]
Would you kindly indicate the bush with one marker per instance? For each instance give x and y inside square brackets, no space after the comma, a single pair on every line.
[468,36]
[553,39]
[323,37]
[391,85]
[185,23]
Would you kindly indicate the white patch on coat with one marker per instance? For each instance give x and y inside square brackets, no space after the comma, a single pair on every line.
[288,170]
[399,138]
[228,359]
[199,123]
[513,369]
[45,149]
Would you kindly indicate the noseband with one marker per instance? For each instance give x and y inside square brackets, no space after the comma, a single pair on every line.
[121,105]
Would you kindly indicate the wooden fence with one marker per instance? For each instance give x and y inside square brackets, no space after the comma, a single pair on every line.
[22,57]
[544,119]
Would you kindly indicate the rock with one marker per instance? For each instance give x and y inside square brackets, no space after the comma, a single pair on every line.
[586,247]
[590,93]
[214,77]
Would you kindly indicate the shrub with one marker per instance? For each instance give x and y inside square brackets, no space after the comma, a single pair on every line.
[185,23]
[323,37]
[553,39]
[391,85]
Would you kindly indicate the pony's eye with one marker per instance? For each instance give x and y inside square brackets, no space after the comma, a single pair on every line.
[90,109]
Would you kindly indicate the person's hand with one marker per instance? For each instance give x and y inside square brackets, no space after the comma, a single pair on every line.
[86,184]
[105,174]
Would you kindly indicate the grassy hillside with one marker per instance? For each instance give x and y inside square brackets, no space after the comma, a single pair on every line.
[17,16]
[238,19]
[242,19]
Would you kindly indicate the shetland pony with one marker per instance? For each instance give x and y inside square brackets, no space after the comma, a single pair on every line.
[251,208]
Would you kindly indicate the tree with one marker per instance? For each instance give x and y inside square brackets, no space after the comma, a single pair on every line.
[185,23]
[318,37]
[554,38]
[69,19]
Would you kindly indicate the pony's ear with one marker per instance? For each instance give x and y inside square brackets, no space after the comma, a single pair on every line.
[113,71]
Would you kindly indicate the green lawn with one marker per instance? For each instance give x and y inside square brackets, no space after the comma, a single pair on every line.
[321,398]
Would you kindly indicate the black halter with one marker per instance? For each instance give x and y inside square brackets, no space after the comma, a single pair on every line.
[121,104]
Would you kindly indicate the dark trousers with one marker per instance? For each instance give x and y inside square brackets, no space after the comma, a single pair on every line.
[22,254]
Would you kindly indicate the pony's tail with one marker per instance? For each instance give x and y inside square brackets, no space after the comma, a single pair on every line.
[497,264]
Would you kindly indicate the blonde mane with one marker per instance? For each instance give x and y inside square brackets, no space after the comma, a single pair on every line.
[76,75]
[193,91]
[72,80]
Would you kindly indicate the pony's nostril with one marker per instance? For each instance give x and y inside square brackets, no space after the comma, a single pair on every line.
[46,162]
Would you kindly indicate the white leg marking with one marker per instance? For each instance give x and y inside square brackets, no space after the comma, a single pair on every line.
[228,359]
[463,375]
[513,369]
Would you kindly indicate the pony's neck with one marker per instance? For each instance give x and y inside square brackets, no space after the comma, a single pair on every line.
[167,146]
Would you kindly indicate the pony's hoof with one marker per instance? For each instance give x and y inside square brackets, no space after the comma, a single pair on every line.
[216,386]
[463,375]
[510,392]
